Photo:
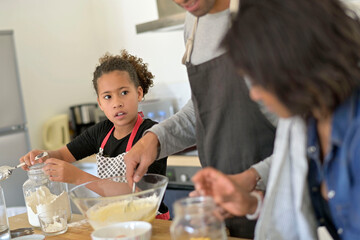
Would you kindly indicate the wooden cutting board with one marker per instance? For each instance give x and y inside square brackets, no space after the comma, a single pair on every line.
[79,229]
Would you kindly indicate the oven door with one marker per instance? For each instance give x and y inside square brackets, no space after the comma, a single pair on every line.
[180,184]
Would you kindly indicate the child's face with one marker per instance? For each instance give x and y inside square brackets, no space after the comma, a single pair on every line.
[118,98]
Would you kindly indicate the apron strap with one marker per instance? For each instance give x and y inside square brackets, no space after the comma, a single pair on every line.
[133,133]
[107,137]
[234,6]
[189,44]
[132,136]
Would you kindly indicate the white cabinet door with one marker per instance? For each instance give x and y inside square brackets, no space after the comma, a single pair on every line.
[12,147]
[11,103]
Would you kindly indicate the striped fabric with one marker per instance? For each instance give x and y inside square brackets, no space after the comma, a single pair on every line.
[287,212]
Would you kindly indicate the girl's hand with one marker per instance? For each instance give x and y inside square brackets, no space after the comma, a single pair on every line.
[29,159]
[61,171]
[225,191]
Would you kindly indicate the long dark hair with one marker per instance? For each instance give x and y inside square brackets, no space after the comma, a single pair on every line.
[306,52]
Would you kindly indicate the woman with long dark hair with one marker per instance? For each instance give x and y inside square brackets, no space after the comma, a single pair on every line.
[302,58]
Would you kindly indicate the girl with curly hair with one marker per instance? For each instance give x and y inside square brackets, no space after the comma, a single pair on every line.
[120,83]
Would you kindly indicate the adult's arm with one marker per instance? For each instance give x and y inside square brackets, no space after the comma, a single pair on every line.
[263,169]
[177,132]
[226,192]
[249,179]
[163,139]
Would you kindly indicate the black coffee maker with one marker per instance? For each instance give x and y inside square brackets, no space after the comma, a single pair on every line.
[82,117]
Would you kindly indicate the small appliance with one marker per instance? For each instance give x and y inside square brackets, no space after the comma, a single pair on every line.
[55,132]
[82,117]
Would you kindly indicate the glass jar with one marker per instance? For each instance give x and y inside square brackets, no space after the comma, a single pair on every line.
[43,195]
[4,222]
[196,218]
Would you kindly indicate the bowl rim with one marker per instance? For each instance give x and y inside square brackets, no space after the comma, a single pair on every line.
[147,227]
[165,182]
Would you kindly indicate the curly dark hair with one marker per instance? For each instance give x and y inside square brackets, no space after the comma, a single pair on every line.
[138,71]
[305,52]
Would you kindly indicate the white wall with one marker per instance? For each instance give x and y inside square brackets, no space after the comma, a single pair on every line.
[58,43]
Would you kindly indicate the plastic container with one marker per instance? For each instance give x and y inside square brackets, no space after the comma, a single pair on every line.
[134,230]
[196,218]
[43,195]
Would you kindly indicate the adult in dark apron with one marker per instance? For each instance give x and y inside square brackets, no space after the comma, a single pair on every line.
[231,132]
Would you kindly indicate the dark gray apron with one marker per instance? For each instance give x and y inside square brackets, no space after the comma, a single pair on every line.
[232,134]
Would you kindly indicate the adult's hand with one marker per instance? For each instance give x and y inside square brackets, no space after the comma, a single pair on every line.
[140,157]
[247,179]
[220,212]
[225,191]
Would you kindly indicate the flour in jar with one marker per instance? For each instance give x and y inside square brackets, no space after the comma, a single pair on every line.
[53,224]
[55,227]
[42,200]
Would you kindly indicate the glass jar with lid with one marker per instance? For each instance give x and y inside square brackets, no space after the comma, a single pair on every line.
[43,195]
[196,218]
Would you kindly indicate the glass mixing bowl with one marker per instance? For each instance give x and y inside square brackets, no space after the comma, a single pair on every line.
[107,201]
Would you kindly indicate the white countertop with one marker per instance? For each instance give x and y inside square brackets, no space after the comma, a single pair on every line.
[181,160]
[173,160]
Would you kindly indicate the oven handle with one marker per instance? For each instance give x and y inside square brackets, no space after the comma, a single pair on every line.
[176,186]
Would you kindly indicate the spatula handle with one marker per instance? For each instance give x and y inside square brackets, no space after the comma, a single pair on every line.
[20,165]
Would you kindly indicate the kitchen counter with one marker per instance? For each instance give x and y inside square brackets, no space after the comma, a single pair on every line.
[173,160]
[183,160]
[80,230]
